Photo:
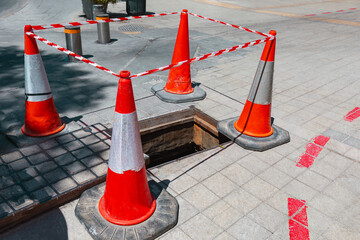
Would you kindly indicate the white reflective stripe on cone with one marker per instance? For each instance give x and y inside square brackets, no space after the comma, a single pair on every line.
[264,92]
[36,81]
[126,150]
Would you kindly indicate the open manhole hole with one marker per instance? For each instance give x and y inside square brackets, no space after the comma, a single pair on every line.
[175,135]
[132,29]
[178,134]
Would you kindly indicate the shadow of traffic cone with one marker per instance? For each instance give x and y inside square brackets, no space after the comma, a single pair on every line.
[253,129]
[41,116]
[127,199]
[178,87]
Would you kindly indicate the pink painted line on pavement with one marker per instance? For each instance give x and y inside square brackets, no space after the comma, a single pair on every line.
[294,205]
[338,11]
[297,231]
[352,111]
[313,150]
[305,161]
[298,222]
[321,140]
[301,217]
[352,115]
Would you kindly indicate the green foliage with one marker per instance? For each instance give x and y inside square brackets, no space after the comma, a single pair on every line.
[104,1]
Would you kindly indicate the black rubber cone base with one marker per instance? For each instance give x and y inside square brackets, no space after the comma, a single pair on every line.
[17,137]
[163,219]
[279,137]
[196,95]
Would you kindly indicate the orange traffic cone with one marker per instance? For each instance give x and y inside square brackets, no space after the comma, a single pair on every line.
[127,199]
[253,129]
[41,116]
[178,87]
[255,119]
[179,80]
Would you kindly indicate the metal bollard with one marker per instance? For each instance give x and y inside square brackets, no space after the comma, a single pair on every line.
[73,41]
[103,29]
[97,9]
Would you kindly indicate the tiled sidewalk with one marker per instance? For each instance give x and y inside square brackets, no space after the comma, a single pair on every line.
[38,173]
[226,192]
[239,194]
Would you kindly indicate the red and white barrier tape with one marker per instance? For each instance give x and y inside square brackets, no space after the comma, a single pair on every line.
[51,26]
[232,25]
[43,27]
[203,57]
[338,11]
[68,52]
[160,69]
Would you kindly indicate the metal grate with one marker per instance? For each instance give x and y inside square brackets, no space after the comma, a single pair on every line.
[132,28]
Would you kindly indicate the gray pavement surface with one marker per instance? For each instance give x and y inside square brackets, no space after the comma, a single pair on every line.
[11,7]
[234,193]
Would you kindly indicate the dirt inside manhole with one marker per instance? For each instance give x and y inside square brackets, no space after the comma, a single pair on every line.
[178,134]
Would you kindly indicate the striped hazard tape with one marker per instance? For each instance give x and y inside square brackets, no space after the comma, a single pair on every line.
[206,56]
[59,25]
[160,69]
[68,52]
[232,25]
[200,58]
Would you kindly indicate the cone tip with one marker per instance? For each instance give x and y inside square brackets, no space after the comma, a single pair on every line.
[125,97]
[30,47]
[125,74]
[268,54]
[272,32]
[185,10]
[27,28]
